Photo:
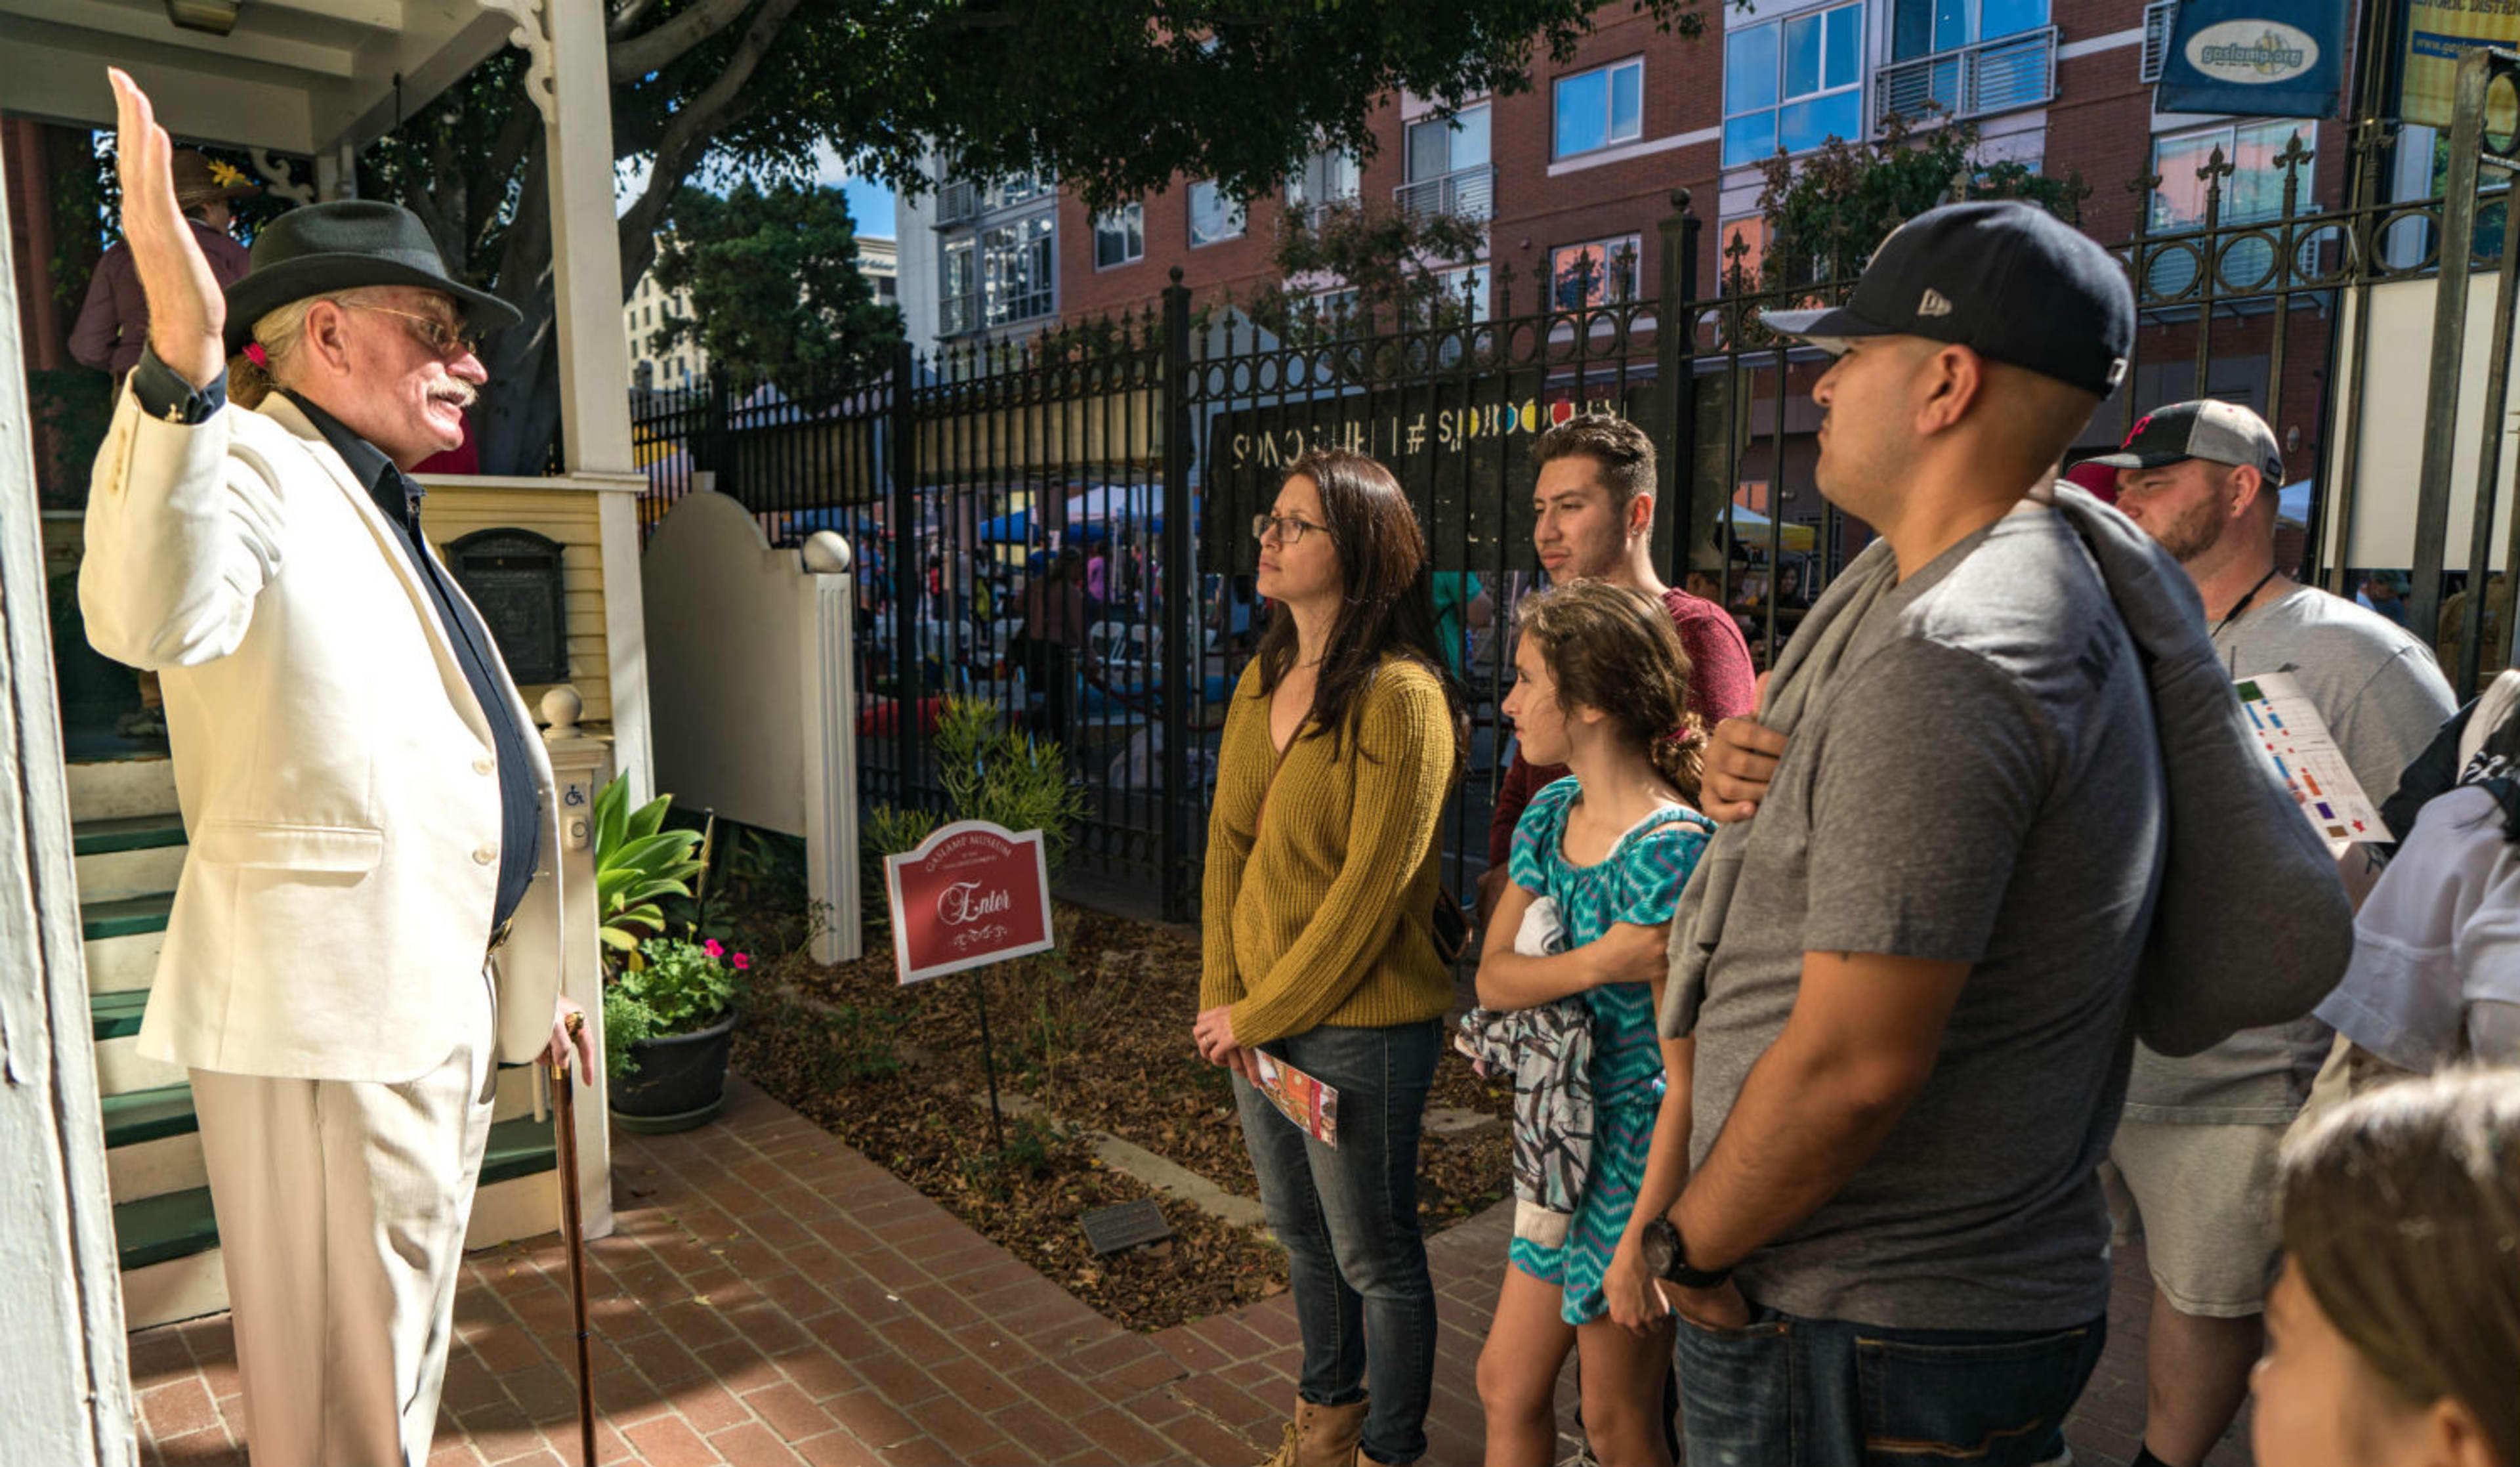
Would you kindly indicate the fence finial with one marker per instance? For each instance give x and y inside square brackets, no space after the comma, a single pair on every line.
[1680,200]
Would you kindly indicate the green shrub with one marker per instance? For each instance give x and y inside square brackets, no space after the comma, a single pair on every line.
[881,832]
[638,863]
[995,773]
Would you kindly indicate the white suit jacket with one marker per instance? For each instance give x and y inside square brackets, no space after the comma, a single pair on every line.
[336,771]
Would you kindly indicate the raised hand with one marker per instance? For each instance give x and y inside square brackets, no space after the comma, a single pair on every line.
[187,311]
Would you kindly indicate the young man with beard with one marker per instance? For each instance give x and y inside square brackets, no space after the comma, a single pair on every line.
[1592,514]
[2193,1164]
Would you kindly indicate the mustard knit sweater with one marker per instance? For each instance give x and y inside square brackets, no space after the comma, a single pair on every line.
[1319,908]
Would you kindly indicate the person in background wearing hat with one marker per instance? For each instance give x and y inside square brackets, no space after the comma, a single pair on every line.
[1909,1019]
[2193,1165]
[113,322]
[369,917]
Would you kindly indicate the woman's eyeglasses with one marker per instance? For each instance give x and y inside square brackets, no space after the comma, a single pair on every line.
[1290,529]
[450,342]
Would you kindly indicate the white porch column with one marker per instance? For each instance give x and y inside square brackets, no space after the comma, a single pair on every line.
[594,357]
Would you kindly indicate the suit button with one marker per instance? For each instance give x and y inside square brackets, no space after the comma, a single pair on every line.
[485,765]
[485,856]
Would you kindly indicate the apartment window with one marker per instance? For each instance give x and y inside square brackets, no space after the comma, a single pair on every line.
[1017,269]
[958,287]
[1468,283]
[2160,18]
[1447,145]
[1601,106]
[1596,272]
[1740,249]
[1448,166]
[1923,28]
[1119,236]
[1791,84]
[1022,188]
[1213,217]
[2252,193]
[1326,177]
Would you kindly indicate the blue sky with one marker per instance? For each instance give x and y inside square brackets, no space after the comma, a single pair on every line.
[870,203]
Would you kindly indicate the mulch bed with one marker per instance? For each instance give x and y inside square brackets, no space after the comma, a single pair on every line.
[1097,1037]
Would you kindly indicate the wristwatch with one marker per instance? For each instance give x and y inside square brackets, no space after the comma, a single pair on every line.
[1668,1256]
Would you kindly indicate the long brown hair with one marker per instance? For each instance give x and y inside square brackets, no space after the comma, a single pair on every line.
[1615,649]
[2401,1217]
[1386,596]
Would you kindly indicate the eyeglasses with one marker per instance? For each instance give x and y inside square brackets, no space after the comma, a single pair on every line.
[450,342]
[1290,529]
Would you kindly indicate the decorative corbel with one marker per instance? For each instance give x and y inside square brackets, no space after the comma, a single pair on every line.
[276,171]
[532,32]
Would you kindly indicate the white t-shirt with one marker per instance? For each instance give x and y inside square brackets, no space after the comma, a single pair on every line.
[2438,935]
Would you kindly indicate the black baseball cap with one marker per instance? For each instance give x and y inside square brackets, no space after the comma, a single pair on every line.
[2221,432]
[2009,281]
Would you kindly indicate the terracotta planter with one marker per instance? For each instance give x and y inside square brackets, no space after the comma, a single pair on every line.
[680,1083]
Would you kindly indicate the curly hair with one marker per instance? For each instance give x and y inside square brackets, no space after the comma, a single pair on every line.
[1614,648]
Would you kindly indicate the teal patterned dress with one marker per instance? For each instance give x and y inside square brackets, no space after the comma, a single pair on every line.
[1638,881]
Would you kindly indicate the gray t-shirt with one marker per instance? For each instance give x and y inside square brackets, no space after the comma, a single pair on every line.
[1983,786]
[2384,698]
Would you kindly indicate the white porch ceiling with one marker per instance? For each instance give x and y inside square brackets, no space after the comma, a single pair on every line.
[300,77]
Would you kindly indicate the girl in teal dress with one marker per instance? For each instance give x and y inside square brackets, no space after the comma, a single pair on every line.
[1601,687]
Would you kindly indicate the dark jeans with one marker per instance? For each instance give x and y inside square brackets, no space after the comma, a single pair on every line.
[1347,1216]
[1825,1393]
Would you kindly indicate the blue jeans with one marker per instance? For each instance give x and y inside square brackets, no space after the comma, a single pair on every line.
[1347,1216]
[1788,1392]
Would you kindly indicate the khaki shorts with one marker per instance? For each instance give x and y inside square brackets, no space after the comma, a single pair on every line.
[2203,1197]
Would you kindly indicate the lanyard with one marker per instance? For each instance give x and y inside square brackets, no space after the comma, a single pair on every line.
[2242,605]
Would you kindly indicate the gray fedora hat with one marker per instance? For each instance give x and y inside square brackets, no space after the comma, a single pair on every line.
[339,246]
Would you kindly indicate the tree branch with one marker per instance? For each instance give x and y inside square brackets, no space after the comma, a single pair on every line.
[626,14]
[688,134]
[490,185]
[637,56]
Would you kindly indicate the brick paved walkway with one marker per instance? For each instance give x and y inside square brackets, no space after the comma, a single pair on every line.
[774,1298]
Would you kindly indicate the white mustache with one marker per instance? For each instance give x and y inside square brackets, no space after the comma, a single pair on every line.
[461,394]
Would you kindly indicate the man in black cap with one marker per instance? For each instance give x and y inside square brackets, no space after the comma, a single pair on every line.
[1910,1007]
[2193,1164]
[369,918]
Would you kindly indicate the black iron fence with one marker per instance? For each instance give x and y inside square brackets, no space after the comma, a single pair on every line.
[1136,450]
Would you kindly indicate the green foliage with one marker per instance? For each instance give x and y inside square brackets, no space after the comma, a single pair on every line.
[883,831]
[683,986]
[992,772]
[1032,1152]
[638,863]
[775,287]
[1115,97]
[1388,262]
[1827,211]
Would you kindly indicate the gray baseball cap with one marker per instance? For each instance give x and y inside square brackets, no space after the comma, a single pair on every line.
[2221,432]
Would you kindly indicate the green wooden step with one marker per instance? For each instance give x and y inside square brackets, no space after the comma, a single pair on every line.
[139,1116]
[178,1224]
[126,832]
[129,917]
[116,1016]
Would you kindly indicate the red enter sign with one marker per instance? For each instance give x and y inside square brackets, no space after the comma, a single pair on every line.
[971,894]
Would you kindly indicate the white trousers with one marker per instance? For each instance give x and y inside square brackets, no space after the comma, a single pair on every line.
[341,1207]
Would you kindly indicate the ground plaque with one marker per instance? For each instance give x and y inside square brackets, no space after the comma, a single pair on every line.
[1116,1229]
[513,575]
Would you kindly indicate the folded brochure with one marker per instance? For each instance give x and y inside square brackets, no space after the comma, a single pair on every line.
[2288,728]
[1302,1099]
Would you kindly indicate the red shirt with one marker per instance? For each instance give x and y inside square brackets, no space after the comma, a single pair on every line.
[1721,686]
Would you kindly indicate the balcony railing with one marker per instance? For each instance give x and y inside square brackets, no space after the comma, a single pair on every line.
[1463,194]
[1992,76]
[957,200]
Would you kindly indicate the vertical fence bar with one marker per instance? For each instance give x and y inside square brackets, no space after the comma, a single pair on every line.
[2450,335]
[2488,463]
[1180,660]
[1676,376]
[904,592]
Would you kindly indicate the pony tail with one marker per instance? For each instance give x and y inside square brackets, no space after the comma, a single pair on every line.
[1681,757]
[250,378]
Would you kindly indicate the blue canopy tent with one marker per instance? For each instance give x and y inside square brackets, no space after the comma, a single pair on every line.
[1087,514]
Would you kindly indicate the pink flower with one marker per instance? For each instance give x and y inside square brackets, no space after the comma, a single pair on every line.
[712,949]
[742,961]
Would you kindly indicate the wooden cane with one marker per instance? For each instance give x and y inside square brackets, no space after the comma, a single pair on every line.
[572,1223]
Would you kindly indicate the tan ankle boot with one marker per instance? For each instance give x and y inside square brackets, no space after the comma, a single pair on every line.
[1321,1437]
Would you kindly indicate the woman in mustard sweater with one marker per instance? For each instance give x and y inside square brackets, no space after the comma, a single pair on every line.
[1341,747]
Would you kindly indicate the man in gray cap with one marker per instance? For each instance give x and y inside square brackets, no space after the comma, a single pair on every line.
[370,814]
[2194,1158]
[1910,959]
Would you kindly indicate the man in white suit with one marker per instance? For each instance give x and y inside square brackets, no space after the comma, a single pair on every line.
[369,919]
